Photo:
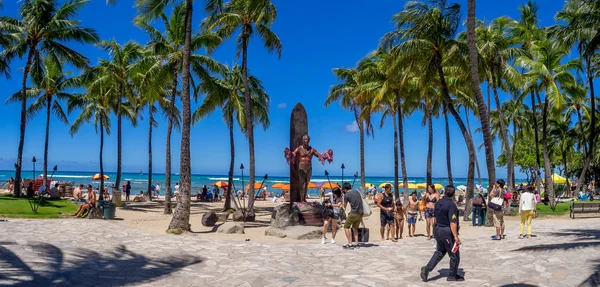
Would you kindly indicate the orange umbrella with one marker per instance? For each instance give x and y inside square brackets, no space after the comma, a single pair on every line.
[329,186]
[220,184]
[256,186]
[97,177]
[285,187]
[312,185]
[277,185]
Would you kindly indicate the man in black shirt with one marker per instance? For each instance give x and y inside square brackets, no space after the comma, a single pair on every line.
[446,234]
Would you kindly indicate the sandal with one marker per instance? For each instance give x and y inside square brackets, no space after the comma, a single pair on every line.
[348,246]
[495,238]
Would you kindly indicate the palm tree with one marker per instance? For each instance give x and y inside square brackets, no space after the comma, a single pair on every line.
[43,30]
[95,105]
[117,70]
[483,116]
[544,66]
[426,32]
[581,29]
[228,94]
[167,53]
[349,95]
[563,140]
[50,89]
[493,43]
[247,16]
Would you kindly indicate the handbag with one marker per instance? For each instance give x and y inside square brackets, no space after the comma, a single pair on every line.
[366,209]
[496,203]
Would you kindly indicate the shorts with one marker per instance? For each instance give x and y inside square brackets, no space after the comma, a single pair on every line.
[353,220]
[429,213]
[412,217]
[498,218]
[386,218]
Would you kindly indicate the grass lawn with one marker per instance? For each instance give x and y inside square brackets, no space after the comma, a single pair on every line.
[562,208]
[19,208]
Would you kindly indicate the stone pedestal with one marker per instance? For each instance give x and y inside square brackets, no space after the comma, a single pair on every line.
[285,216]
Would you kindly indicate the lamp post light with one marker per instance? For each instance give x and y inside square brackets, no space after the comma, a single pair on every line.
[33,161]
[343,167]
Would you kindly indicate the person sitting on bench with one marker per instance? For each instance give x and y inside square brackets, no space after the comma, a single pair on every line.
[91,203]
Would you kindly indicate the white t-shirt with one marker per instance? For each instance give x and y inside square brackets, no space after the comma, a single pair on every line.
[528,201]
[177,188]
[157,188]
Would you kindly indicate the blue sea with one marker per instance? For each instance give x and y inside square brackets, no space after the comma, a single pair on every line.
[139,181]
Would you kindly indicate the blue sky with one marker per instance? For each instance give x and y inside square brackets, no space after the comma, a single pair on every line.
[317,36]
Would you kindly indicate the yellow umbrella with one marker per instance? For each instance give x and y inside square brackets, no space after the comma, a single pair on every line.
[368,185]
[410,186]
[97,177]
[384,184]
[421,185]
[558,179]
[438,186]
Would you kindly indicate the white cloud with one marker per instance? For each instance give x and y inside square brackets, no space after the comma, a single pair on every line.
[282,105]
[352,128]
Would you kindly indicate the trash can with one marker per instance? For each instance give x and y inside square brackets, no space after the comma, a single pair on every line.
[116,197]
[108,209]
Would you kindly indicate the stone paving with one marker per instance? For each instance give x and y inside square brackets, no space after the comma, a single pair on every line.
[105,253]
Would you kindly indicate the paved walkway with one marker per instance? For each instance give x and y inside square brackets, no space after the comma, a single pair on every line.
[103,253]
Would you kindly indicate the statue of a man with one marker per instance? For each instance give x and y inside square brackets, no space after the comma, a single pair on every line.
[305,154]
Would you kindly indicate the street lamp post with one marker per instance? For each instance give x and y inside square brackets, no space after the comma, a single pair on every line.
[343,167]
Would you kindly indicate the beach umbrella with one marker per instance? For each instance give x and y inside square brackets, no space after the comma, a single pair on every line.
[97,177]
[421,185]
[367,185]
[220,184]
[438,186]
[384,184]
[257,185]
[285,187]
[410,186]
[312,185]
[329,185]
[277,185]
[558,179]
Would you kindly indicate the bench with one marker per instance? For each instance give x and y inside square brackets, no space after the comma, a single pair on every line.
[584,207]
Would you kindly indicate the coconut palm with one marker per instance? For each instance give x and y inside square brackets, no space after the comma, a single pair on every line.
[48,91]
[117,71]
[483,116]
[44,29]
[348,93]
[545,67]
[228,94]
[95,106]
[248,17]
[581,30]
[167,53]
[562,140]
[426,32]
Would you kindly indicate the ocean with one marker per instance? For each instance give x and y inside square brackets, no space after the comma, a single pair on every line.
[139,181]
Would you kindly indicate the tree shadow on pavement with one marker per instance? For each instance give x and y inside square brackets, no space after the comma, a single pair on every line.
[594,279]
[51,267]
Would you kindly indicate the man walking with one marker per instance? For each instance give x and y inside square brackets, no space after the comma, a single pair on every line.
[356,213]
[446,235]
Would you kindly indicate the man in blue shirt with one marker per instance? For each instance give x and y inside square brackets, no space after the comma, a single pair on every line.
[446,235]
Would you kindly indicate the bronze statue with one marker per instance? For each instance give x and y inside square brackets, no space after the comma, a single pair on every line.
[305,153]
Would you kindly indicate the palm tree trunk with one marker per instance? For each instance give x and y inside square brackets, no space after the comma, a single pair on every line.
[589,155]
[168,209]
[361,129]
[548,183]
[46,139]
[402,156]
[471,134]
[101,189]
[23,123]
[231,163]
[448,159]
[429,147]
[484,117]
[181,217]
[151,119]
[119,139]
[249,119]
[564,158]
[396,183]
[586,162]
[503,134]
[514,148]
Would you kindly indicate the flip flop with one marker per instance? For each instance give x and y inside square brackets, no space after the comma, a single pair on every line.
[495,238]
